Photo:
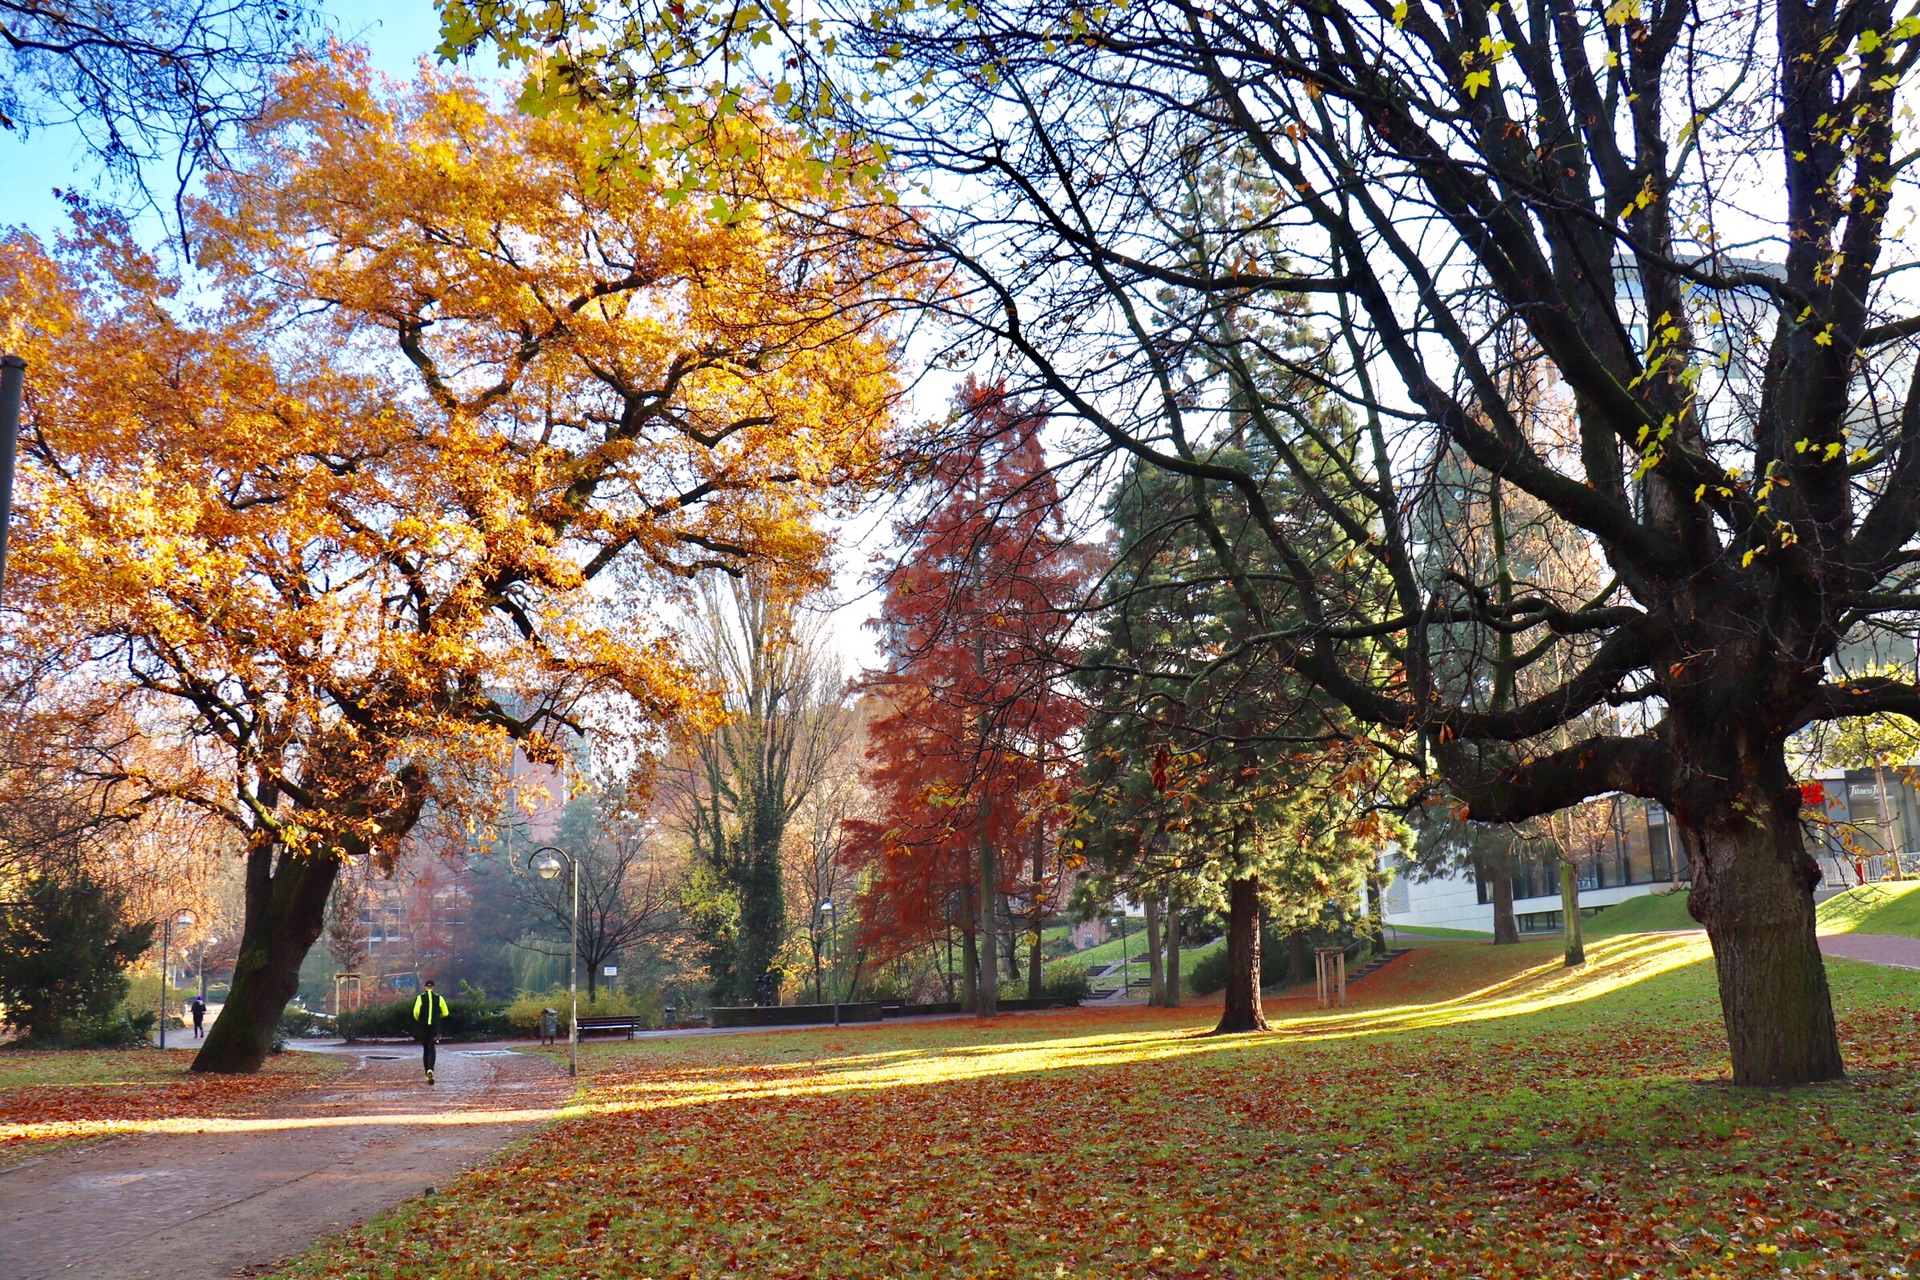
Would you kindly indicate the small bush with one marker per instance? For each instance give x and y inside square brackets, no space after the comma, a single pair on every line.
[522,1017]
[1068,982]
[297,1022]
[1208,974]
[465,1021]
[118,1030]
[65,944]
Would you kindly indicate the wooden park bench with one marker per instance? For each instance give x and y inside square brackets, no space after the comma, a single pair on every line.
[610,1022]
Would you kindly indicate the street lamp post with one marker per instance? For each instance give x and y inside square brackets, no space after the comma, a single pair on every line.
[547,867]
[827,912]
[167,921]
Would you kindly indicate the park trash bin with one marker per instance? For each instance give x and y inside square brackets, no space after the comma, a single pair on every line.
[667,1017]
[549,1025]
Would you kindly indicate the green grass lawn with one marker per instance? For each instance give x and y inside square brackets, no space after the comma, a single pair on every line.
[22,1069]
[1655,912]
[1874,908]
[55,1098]
[1479,1111]
[1435,931]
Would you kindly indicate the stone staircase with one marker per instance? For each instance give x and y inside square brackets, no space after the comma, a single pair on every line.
[1378,962]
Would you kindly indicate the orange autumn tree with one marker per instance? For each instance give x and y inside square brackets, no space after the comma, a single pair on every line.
[406,481]
[970,763]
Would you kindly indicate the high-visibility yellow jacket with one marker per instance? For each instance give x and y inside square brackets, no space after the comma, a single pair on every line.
[429,1008]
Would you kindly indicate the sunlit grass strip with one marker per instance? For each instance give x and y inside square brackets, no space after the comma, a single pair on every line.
[60,1130]
[1612,965]
[1874,908]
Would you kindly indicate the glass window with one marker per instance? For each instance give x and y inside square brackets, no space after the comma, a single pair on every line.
[1863,811]
[1658,846]
[1639,852]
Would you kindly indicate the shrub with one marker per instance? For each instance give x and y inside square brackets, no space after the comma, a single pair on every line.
[298,1022]
[1208,974]
[1069,982]
[522,1017]
[465,1021]
[120,1029]
[64,950]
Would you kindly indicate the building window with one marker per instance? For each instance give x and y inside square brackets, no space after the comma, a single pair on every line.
[1637,849]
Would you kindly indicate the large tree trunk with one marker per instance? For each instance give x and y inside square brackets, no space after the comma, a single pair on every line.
[1242,1011]
[1753,888]
[285,913]
[1576,951]
[1156,974]
[1299,959]
[763,899]
[1173,952]
[1505,928]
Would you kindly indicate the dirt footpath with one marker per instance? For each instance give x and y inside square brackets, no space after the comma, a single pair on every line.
[241,1195]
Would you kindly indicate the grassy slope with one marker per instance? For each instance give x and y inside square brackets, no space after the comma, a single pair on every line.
[1436,931]
[1878,908]
[1649,913]
[1480,1111]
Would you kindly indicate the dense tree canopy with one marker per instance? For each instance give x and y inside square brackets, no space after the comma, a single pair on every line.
[1685,212]
[447,381]
[969,760]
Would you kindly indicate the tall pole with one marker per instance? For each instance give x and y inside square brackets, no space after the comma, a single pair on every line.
[13,377]
[833,943]
[573,976]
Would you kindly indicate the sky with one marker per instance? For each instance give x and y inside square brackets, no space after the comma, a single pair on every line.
[397,34]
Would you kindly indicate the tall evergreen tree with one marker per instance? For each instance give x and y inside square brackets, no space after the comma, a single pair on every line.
[1208,761]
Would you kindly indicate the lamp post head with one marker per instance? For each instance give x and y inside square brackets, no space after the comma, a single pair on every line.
[184,920]
[828,906]
[547,867]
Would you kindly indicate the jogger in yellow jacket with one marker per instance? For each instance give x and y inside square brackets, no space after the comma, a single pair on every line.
[429,1011]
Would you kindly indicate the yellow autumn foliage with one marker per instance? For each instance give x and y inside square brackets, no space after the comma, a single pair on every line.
[412,469]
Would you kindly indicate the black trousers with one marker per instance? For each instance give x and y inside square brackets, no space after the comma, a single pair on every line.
[428,1041]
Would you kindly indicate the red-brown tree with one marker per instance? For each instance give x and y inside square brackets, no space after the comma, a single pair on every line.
[969,763]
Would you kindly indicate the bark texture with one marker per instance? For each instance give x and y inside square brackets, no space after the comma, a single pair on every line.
[1242,1011]
[1505,928]
[1576,949]
[1753,890]
[286,911]
[987,997]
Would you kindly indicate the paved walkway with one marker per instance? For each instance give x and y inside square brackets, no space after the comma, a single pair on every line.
[240,1196]
[1880,948]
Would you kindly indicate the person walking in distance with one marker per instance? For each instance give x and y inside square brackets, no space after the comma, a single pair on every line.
[199,1007]
[429,1011]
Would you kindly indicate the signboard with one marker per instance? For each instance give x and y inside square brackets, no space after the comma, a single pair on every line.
[611,971]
